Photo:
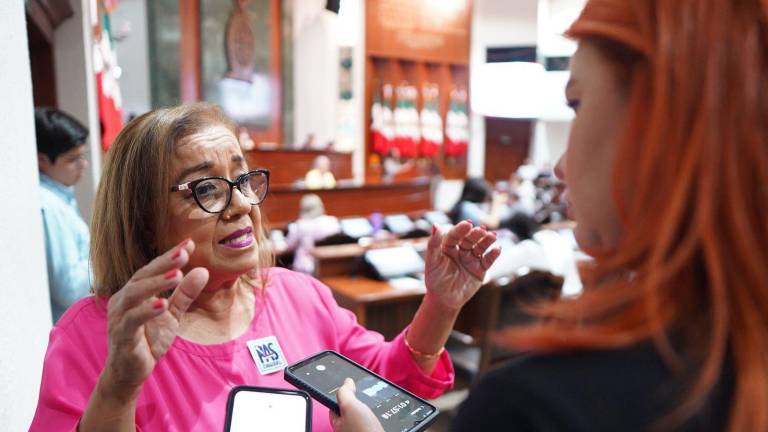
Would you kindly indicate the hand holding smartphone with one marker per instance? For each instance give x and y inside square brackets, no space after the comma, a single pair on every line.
[396,409]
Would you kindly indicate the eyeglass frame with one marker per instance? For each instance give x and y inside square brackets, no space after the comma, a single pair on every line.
[190,185]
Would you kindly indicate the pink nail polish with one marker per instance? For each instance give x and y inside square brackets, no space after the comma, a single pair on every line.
[170,274]
[434,229]
[181,246]
[158,304]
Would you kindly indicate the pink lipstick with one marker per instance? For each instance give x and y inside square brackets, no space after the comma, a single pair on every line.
[239,239]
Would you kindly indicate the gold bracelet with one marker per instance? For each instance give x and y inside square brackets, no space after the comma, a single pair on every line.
[417,353]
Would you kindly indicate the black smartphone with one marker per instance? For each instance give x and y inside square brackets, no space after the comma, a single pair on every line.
[261,408]
[397,409]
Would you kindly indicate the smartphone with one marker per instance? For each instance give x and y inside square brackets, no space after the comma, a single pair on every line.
[261,408]
[397,409]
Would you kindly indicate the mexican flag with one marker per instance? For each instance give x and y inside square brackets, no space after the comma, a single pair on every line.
[431,122]
[457,125]
[381,121]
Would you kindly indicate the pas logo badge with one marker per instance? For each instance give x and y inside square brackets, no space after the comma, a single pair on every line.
[267,355]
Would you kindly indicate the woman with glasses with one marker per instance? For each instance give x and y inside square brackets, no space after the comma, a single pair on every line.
[186,303]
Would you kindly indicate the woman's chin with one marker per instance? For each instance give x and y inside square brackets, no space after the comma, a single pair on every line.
[235,266]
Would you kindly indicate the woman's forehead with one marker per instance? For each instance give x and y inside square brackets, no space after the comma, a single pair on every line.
[211,138]
[213,145]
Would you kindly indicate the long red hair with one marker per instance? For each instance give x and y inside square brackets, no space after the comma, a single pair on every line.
[694,256]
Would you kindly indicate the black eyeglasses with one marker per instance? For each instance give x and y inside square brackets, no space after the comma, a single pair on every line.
[213,194]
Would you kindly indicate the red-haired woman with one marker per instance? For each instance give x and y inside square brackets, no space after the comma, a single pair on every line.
[667,174]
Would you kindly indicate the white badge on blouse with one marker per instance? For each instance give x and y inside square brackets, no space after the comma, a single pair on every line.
[267,354]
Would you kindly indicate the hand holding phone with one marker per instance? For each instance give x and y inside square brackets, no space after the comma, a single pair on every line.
[394,407]
[355,415]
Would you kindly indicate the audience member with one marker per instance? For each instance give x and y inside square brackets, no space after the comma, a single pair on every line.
[473,204]
[61,160]
[313,225]
[184,292]
[320,176]
[666,174]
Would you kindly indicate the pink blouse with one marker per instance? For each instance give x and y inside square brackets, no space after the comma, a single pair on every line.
[188,388]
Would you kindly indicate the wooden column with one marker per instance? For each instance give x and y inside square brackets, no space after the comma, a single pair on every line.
[191,81]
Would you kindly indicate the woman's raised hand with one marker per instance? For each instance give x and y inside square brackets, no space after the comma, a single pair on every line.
[142,325]
[456,263]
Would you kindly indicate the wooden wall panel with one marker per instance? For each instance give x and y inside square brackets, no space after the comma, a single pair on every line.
[41,65]
[417,43]
[287,166]
[418,30]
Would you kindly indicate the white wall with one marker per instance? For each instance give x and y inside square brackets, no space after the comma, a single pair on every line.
[133,55]
[315,65]
[76,92]
[25,312]
[496,23]
[318,34]
[555,16]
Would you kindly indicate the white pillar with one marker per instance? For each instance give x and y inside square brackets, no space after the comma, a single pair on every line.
[25,311]
[76,92]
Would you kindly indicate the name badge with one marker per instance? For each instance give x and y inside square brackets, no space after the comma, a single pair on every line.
[267,355]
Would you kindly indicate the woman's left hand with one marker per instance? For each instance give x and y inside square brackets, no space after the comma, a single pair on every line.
[456,263]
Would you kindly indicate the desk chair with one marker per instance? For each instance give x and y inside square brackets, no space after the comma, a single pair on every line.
[498,304]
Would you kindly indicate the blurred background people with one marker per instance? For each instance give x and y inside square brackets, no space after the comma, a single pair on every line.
[61,158]
[320,176]
[480,205]
[313,225]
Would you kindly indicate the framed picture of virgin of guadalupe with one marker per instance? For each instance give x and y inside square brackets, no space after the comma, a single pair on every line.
[230,52]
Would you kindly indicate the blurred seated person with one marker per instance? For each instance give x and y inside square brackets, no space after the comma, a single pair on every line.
[473,205]
[320,176]
[313,225]
[61,160]
[525,191]
[392,165]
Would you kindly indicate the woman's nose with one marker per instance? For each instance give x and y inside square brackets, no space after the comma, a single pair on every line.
[560,168]
[238,205]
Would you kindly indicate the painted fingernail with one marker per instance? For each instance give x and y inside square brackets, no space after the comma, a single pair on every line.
[434,229]
[170,274]
[158,304]
[179,248]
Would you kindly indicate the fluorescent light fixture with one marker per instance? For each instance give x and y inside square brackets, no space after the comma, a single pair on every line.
[509,90]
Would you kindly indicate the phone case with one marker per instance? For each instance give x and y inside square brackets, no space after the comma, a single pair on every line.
[314,393]
[297,381]
[233,392]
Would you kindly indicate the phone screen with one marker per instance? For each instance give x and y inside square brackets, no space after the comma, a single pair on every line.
[396,410]
[263,409]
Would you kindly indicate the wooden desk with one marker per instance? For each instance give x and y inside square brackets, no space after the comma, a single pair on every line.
[377,305]
[282,204]
[380,307]
[343,260]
